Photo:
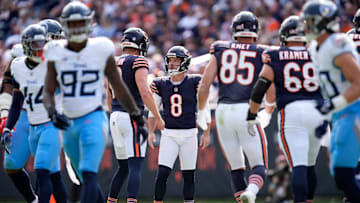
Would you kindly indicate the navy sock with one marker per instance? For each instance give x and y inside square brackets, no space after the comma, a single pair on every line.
[119,178]
[160,182]
[100,196]
[345,180]
[89,190]
[135,166]
[189,184]
[238,180]
[299,183]
[45,186]
[311,182]
[22,183]
[59,190]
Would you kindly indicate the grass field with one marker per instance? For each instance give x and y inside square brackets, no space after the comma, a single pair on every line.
[317,200]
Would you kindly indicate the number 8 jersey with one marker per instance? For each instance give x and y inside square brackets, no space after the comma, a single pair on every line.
[238,68]
[80,75]
[294,75]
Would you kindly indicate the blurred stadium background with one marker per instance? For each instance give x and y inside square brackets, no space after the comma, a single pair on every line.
[194,24]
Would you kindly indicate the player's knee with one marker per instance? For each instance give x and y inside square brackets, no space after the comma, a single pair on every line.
[135,166]
[259,170]
[123,167]
[189,184]
[163,173]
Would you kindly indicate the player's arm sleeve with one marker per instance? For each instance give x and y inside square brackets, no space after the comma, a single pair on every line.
[259,90]
[140,62]
[15,108]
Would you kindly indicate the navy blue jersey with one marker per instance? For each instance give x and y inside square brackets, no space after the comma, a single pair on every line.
[356,38]
[238,67]
[294,75]
[128,65]
[179,101]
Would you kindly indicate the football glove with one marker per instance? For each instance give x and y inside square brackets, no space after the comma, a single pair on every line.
[321,130]
[60,121]
[325,106]
[252,123]
[202,118]
[2,124]
[139,119]
[6,139]
[264,118]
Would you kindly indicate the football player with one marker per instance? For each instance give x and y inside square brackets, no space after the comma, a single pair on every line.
[19,147]
[178,95]
[129,148]
[291,70]
[237,64]
[28,74]
[354,33]
[337,62]
[77,65]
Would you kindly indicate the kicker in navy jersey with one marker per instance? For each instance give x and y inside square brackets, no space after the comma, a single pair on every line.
[176,115]
[294,75]
[238,68]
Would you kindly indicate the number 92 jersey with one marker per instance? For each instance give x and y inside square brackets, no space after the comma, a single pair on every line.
[179,101]
[294,75]
[331,78]
[80,75]
[30,82]
[238,68]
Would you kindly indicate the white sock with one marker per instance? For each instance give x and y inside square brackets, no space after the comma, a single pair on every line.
[252,187]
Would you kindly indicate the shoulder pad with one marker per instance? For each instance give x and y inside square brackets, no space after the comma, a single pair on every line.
[217,45]
[341,40]
[17,51]
[53,49]
[104,45]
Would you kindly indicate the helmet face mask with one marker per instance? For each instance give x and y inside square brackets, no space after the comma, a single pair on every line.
[178,52]
[76,20]
[245,24]
[33,40]
[356,21]
[135,38]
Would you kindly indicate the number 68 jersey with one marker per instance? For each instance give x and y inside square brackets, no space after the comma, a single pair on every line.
[80,75]
[30,82]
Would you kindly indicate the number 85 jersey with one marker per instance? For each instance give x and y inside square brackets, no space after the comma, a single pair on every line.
[238,67]
[80,75]
[30,82]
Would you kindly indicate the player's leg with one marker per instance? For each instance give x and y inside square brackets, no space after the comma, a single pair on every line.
[168,152]
[93,129]
[229,142]
[345,151]
[119,124]
[188,155]
[14,162]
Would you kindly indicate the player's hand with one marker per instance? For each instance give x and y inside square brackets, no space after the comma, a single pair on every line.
[324,106]
[264,118]
[321,130]
[141,128]
[160,124]
[2,124]
[252,123]
[6,139]
[201,119]
[205,139]
[151,140]
[60,121]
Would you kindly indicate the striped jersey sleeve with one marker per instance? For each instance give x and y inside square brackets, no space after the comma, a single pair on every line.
[140,62]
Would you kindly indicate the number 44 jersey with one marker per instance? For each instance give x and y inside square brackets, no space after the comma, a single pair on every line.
[30,82]
[80,75]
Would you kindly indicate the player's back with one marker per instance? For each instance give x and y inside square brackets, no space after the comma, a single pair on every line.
[294,75]
[127,66]
[179,100]
[30,82]
[238,67]
[80,74]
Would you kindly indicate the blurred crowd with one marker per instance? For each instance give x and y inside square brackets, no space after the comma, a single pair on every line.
[192,23]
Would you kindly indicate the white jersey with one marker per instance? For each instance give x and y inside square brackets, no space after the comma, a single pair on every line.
[332,80]
[31,83]
[80,75]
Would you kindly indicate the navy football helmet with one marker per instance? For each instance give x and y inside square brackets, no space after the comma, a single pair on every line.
[136,38]
[290,31]
[178,52]
[245,24]
[356,21]
[33,40]
[79,14]
[320,16]
[53,28]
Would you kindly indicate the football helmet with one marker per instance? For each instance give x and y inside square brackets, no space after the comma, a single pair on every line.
[135,38]
[33,40]
[178,52]
[53,28]
[319,16]
[245,24]
[290,31]
[356,21]
[79,14]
